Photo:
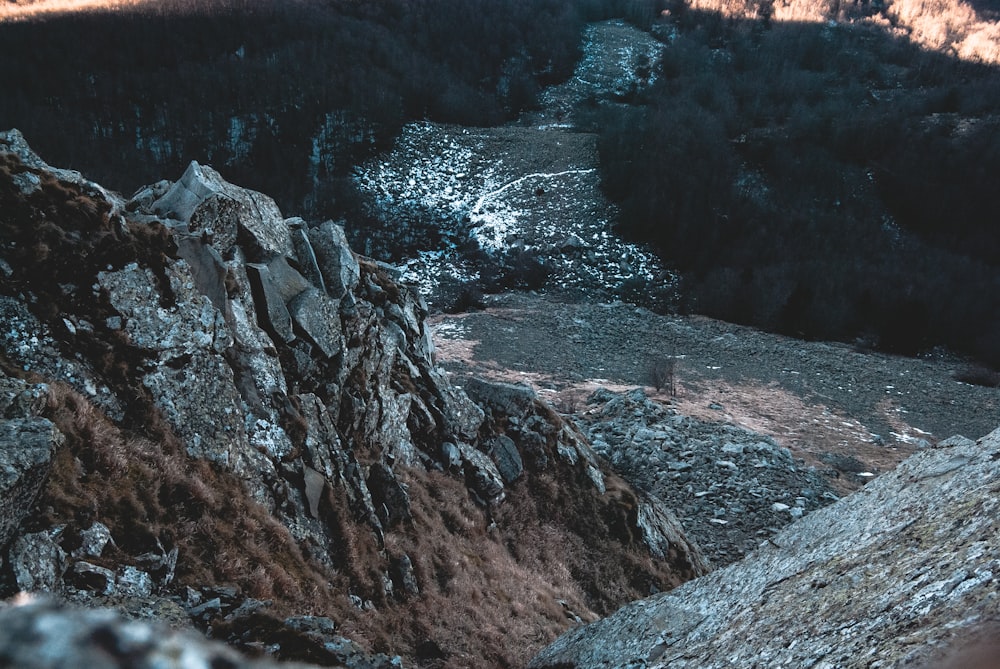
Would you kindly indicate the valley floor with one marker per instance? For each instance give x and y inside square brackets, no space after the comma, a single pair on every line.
[844,411]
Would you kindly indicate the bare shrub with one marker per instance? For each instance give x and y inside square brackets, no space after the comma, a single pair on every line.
[470,297]
[524,271]
[662,373]
[979,375]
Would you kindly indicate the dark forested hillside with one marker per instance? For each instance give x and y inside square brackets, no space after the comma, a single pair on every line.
[829,179]
[824,180]
[286,96]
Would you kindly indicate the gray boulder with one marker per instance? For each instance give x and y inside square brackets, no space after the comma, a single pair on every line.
[288,281]
[327,461]
[462,417]
[270,303]
[28,343]
[194,399]
[389,495]
[502,398]
[403,577]
[451,456]
[38,562]
[319,626]
[505,455]
[87,576]
[315,637]
[209,204]
[254,356]
[664,535]
[304,253]
[26,449]
[192,324]
[19,399]
[337,262]
[881,578]
[318,316]
[93,540]
[45,635]
[133,582]
[482,475]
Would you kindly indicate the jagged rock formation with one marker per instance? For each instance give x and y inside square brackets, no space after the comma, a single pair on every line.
[886,577]
[253,415]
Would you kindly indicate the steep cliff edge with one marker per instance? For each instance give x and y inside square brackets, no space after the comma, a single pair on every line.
[237,419]
[889,576]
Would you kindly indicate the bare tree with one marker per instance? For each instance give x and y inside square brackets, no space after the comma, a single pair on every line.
[663,373]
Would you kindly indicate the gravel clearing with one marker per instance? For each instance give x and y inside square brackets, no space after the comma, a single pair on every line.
[844,411]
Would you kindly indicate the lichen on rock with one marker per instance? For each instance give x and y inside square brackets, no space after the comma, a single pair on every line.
[885,577]
[254,413]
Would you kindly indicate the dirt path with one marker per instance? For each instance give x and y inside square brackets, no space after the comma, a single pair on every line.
[838,409]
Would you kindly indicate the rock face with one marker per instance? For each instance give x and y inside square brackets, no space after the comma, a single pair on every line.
[27,444]
[885,577]
[196,338]
[26,449]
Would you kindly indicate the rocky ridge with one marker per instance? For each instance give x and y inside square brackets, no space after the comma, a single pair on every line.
[210,385]
[889,576]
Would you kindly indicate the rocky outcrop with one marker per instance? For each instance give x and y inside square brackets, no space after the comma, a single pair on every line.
[885,577]
[27,444]
[229,369]
[26,449]
[731,488]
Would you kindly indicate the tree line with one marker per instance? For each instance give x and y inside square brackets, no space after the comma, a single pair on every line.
[270,90]
[825,180]
[822,180]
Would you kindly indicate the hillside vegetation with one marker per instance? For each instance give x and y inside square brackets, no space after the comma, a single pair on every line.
[826,180]
[966,30]
[288,96]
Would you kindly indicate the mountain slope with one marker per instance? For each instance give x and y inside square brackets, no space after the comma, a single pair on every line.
[889,576]
[249,425]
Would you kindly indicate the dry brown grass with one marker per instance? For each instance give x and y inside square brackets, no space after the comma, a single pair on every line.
[495,585]
[479,602]
[147,490]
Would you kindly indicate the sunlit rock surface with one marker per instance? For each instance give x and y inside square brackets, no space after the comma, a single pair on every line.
[886,577]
